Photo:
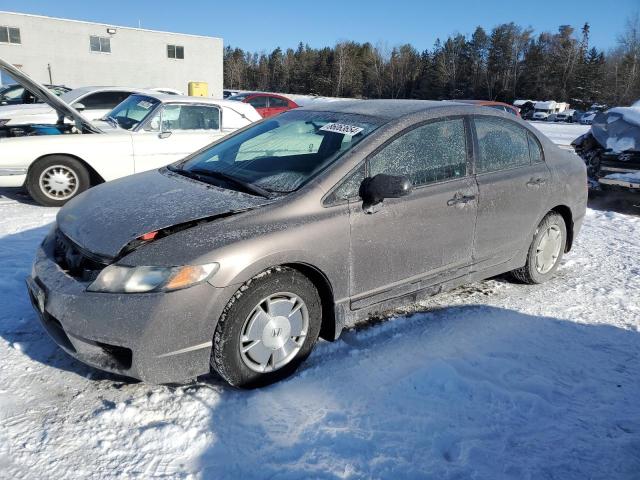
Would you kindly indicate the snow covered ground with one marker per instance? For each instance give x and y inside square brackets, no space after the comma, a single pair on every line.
[561,133]
[494,380]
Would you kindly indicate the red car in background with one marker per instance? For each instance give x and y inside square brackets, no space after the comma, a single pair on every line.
[267,104]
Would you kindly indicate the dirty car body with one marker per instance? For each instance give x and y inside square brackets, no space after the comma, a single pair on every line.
[309,205]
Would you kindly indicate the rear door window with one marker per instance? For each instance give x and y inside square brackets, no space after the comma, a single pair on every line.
[103,100]
[259,101]
[503,144]
[430,153]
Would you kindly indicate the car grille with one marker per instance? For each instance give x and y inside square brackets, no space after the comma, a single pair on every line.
[75,261]
[624,161]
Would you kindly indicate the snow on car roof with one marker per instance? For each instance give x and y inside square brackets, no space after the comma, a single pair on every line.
[382,108]
[76,93]
[545,105]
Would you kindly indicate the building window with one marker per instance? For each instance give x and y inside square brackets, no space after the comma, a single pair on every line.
[10,35]
[100,44]
[175,51]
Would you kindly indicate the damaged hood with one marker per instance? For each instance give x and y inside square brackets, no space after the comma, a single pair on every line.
[62,108]
[105,219]
[618,130]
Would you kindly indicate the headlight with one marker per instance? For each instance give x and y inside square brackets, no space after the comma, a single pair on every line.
[120,279]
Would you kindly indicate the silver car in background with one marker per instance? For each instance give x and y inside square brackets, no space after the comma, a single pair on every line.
[236,259]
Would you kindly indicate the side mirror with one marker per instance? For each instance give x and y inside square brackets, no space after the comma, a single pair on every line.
[166,134]
[79,106]
[374,190]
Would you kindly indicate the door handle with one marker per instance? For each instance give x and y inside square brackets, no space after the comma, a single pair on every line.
[460,199]
[536,182]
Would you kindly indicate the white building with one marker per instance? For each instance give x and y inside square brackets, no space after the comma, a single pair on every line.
[77,53]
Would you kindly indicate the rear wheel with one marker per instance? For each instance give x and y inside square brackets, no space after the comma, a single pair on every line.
[545,252]
[268,328]
[56,179]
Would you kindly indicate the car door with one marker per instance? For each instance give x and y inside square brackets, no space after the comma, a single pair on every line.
[260,103]
[513,182]
[98,104]
[426,237]
[173,132]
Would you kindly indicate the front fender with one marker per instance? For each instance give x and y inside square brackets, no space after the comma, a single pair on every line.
[111,156]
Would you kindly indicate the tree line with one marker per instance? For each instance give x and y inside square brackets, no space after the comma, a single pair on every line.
[507,63]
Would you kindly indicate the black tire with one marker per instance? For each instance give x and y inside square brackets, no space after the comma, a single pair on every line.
[529,273]
[83,179]
[226,359]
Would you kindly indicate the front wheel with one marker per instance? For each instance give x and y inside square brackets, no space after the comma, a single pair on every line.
[267,329]
[55,180]
[545,252]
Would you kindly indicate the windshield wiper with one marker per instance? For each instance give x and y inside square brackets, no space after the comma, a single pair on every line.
[111,121]
[249,187]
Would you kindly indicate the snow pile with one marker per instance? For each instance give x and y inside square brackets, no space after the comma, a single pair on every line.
[625,177]
[493,380]
[629,114]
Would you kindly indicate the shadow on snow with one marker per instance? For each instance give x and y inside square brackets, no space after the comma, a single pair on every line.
[468,391]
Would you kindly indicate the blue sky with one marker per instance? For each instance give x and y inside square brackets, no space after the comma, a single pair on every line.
[261,25]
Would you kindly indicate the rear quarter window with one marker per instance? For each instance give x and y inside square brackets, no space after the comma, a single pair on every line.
[278,103]
[535,149]
[503,144]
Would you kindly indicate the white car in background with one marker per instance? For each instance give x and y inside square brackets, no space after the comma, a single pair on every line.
[167,90]
[148,130]
[587,118]
[93,102]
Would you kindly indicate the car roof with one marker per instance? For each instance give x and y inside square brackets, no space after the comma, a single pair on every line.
[100,88]
[266,94]
[73,95]
[483,102]
[387,109]
[166,98]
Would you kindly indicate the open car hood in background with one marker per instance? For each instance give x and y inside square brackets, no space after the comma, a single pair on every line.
[62,108]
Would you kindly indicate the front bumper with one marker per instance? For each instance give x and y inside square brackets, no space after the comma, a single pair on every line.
[153,337]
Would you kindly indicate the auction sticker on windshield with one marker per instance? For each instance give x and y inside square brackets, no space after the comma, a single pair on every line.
[144,104]
[342,128]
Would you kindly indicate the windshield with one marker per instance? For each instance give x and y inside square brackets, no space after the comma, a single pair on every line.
[282,154]
[133,111]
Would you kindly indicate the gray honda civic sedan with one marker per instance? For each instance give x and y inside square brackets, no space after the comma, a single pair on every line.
[238,258]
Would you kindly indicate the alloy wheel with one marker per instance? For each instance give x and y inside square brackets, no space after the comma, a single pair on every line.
[58,182]
[274,332]
[548,249]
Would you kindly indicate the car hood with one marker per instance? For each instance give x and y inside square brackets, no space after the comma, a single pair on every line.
[618,130]
[11,111]
[43,93]
[107,218]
